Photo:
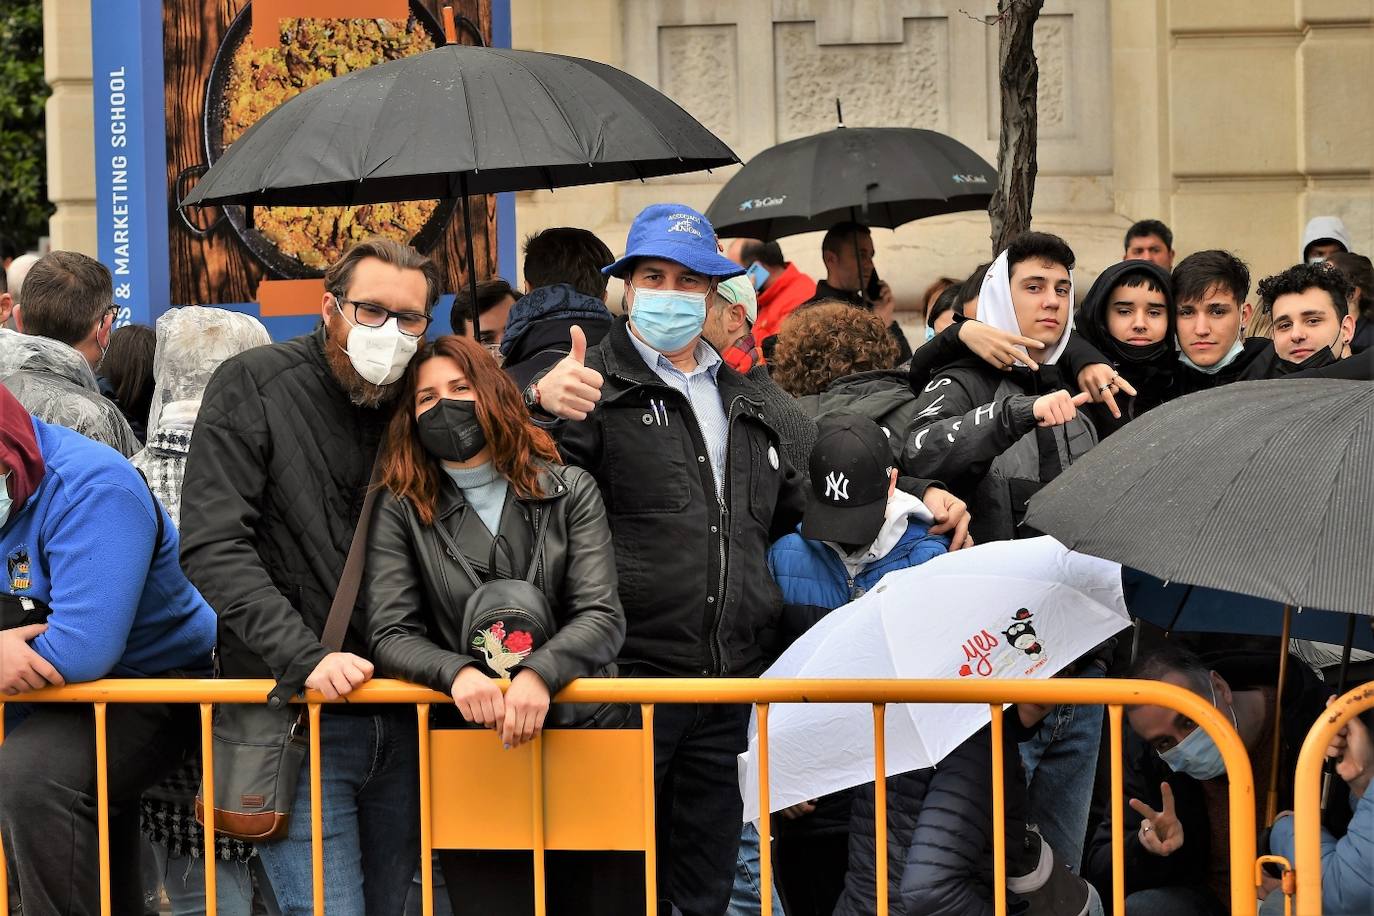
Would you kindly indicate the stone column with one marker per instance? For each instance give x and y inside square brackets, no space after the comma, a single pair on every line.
[70,132]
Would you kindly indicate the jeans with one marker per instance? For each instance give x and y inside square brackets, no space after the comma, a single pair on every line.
[183,878]
[699,808]
[1173,901]
[369,787]
[745,898]
[48,801]
[1061,764]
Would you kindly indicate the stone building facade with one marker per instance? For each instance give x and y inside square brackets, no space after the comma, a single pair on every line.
[1234,121]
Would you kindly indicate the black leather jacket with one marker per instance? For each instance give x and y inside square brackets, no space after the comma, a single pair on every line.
[693,566]
[414,592]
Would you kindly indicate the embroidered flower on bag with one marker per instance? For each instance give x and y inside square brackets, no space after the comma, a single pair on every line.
[502,651]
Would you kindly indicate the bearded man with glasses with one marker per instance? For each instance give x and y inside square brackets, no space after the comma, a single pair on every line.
[275,479]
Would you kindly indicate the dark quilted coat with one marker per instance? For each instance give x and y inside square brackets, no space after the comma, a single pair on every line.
[939,823]
[275,478]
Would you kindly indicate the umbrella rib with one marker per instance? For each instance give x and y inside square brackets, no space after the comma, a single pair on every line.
[557,106]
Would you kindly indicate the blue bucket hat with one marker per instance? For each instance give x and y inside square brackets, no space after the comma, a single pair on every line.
[674,232]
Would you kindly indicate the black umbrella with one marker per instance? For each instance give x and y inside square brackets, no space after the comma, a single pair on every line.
[882,176]
[456,121]
[1262,488]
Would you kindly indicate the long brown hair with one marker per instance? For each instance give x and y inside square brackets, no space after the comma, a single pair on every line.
[412,473]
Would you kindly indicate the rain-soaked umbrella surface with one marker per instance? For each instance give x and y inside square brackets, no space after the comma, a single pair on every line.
[881,176]
[455,121]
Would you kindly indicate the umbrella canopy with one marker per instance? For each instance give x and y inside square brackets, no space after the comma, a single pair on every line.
[454,121]
[1259,487]
[1183,608]
[1011,609]
[883,176]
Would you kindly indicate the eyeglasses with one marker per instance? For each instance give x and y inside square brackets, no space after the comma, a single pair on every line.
[372,315]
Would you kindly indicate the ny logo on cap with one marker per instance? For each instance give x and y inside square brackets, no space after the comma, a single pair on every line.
[836,486]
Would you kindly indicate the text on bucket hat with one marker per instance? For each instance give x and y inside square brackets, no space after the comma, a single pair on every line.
[674,232]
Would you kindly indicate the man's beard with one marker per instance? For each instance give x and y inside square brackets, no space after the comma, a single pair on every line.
[359,390]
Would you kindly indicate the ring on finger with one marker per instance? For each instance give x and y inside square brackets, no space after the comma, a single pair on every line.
[1106,387]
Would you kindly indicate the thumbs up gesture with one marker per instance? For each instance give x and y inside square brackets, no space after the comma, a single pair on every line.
[570,390]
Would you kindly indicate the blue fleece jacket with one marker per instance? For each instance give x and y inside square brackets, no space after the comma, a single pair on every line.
[82,543]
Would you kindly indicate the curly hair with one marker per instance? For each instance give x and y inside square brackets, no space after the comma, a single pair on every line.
[1300,278]
[826,341]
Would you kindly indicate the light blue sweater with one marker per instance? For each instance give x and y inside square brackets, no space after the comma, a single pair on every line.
[485,490]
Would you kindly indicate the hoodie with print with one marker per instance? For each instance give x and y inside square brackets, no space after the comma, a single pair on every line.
[975,426]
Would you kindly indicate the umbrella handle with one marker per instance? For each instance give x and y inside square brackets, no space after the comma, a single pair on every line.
[179,190]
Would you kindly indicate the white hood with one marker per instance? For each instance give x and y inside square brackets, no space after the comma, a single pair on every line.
[1324,227]
[995,308]
[901,506]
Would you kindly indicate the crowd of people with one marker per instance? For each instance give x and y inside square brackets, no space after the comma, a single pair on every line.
[681,486]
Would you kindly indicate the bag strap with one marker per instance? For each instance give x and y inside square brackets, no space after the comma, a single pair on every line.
[536,557]
[346,595]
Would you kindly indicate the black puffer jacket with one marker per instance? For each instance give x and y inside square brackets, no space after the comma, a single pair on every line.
[416,592]
[939,840]
[693,567]
[275,480]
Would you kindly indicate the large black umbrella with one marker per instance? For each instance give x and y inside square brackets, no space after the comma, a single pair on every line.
[882,176]
[1262,488]
[455,121]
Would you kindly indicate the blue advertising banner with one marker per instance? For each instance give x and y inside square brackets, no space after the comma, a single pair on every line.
[131,154]
[165,109]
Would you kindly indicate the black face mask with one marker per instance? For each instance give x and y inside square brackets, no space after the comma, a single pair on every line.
[451,431]
[1146,354]
[1318,360]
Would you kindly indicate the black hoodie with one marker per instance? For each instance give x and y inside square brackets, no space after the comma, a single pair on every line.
[1152,375]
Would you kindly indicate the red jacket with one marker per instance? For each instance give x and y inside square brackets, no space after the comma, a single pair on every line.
[778,299]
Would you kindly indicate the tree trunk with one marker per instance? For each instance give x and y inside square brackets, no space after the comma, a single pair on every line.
[1010,208]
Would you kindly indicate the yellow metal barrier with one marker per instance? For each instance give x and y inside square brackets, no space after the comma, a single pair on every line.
[1307,812]
[647,692]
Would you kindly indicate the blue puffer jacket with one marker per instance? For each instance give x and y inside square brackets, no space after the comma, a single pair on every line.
[814,580]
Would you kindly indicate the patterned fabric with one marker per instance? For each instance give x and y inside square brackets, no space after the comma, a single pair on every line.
[167,815]
[699,388]
[163,462]
[743,355]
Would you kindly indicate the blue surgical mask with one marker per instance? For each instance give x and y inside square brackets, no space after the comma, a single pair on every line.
[1220,364]
[1198,755]
[930,333]
[6,500]
[758,275]
[668,319]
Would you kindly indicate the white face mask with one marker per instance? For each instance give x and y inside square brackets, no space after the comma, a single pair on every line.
[380,354]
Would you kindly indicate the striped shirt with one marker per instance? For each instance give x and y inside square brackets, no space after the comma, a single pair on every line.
[699,388]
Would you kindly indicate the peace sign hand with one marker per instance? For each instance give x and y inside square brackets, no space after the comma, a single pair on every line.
[1160,832]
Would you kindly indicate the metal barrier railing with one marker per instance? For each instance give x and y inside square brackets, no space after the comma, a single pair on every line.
[1307,806]
[647,692]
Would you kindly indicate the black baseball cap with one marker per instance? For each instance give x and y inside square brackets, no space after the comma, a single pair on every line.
[851,467]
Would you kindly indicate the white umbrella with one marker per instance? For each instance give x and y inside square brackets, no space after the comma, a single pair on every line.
[1011,609]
